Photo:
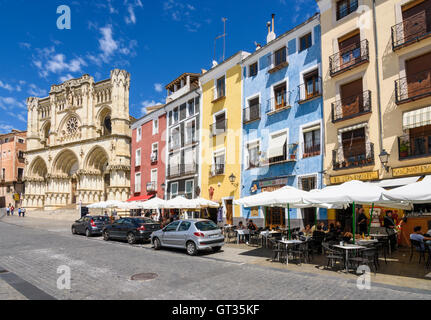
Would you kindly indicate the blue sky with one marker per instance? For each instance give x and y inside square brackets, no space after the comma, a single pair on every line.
[155,41]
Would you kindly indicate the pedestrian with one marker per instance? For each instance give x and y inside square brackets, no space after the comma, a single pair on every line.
[12,209]
[391,229]
[23,212]
[362,222]
[19,212]
[8,211]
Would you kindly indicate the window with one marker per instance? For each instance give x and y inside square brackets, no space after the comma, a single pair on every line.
[305,42]
[280,96]
[220,123]
[252,69]
[154,176]
[252,154]
[172,227]
[280,56]
[190,131]
[170,118]
[138,182]
[155,126]
[218,165]
[185,225]
[311,81]
[3,174]
[346,7]
[311,141]
[154,152]
[20,140]
[354,142]
[191,107]
[277,150]
[221,90]
[175,138]
[138,157]
[138,134]
[20,154]
[175,115]
[189,189]
[174,190]
[183,111]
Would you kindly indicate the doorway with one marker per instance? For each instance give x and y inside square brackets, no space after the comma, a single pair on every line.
[275,217]
[107,183]
[74,187]
[229,211]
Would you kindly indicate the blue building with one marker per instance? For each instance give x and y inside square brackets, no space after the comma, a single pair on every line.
[282,121]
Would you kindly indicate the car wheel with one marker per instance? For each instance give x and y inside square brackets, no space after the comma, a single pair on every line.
[131,239]
[216,249]
[157,244]
[105,235]
[87,233]
[73,230]
[191,248]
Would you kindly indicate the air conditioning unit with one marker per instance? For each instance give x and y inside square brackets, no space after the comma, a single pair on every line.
[154,157]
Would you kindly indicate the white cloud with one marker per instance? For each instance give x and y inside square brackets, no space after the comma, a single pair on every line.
[158,87]
[66,77]
[35,91]
[5,128]
[148,103]
[131,10]
[9,103]
[180,11]
[107,44]
[6,86]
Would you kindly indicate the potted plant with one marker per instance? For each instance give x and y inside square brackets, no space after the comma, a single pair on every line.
[404,149]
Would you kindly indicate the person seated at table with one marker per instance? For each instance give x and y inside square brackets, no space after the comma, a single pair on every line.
[307,232]
[323,226]
[242,237]
[347,236]
[240,226]
[418,236]
[331,235]
[251,226]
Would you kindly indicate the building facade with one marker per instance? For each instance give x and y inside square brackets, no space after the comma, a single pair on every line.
[220,167]
[148,156]
[282,121]
[12,164]
[376,61]
[182,134]
[78,143]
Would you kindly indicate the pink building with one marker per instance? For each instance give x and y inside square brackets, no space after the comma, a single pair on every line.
[148,155]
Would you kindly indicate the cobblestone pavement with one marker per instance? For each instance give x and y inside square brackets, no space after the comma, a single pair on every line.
[102,270]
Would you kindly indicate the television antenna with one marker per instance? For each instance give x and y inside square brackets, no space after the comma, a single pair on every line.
[224,40]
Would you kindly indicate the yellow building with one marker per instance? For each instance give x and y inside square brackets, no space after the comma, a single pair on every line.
[376,61]
[221,134]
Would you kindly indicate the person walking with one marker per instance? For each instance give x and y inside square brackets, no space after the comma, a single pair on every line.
[19,212]
[11,210]
[8,210]
[23,212]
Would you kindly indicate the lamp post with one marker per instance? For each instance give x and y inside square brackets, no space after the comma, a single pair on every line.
[384,159]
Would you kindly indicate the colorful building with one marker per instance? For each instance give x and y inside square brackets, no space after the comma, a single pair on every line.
[148,155]
[376,62]
[282,121]
[220,135]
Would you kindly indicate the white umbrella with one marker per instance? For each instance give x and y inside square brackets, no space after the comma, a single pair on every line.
[180,203]
[204,203]
[97,205]
[154,203]
[418,192]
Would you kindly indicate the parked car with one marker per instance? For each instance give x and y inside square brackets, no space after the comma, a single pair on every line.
[192,235]
[90,225]
[132,229]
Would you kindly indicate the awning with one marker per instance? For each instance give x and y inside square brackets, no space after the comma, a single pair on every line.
[276,146]
[141,198]
[390,183]
[417,118]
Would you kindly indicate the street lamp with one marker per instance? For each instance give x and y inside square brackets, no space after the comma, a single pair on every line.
[232,178]
[384,159]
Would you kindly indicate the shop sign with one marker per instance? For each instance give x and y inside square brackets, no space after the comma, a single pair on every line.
[273,182]
[363,176]
[16,196]
[413,170]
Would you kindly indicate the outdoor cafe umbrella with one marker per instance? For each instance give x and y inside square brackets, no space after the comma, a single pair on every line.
[180,203]
[204,203]
[154,203]
[418,192]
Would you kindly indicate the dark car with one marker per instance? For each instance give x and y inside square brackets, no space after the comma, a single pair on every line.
[130,229]
[90,225]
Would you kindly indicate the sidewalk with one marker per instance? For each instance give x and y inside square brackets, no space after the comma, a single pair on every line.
[9,293]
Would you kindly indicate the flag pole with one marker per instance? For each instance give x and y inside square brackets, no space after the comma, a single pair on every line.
[288,219]
[371,216]
[354,223]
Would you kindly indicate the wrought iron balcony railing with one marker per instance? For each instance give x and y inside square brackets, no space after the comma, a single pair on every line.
[348,9]
[151,186]
[217,169]
[181,170]
[218,127]
[411,30]
[252,113]
[278,103]
[413,87]
[353,157]
[414,147]
[351,107]
[349,58]
[310,151]
[289,154]
[278,60]
[308,91]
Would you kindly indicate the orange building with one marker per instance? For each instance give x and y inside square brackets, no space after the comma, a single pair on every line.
[12,164]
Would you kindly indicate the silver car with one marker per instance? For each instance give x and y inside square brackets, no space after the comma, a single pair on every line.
[192,235]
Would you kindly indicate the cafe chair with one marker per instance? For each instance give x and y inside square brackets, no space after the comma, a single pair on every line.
[416,246]
[332,255]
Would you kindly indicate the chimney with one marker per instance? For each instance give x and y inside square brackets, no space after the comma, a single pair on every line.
[271,34]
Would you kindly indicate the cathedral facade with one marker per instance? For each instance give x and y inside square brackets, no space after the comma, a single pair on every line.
[78,143]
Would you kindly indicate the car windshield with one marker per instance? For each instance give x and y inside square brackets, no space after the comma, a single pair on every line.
[144,221]
[101,218]
[206,225]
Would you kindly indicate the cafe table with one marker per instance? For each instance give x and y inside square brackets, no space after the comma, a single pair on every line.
[241,232]
[348,247]
[365,242]
[287,243]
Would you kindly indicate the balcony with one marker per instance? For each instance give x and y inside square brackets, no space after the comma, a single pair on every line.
[351,107]
[413,87]
[410,147]
[174,144]
[152,186]
[278,60]
[189,141]
[353,158]
[175,171]
[289,155]
[154,157]
[252,113]
[279,103]
[218,127]
[310,151]
[411,30]
[217,169]
[308,92]
[351,57]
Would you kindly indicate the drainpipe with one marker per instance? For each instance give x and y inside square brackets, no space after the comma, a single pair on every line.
[379,107]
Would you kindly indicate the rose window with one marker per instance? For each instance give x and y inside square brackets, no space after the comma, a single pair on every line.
[72,125]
